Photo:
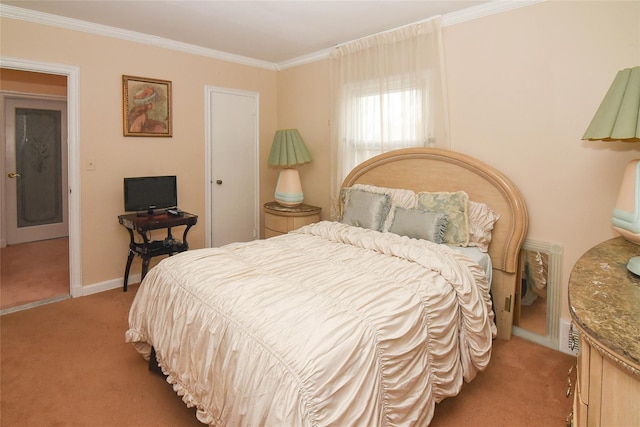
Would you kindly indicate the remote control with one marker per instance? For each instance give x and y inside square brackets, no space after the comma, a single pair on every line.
[175,212]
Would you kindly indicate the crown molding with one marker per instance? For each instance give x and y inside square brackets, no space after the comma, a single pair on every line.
[454,18]
[305,59]
[449,19]
[484,10]
[133,36]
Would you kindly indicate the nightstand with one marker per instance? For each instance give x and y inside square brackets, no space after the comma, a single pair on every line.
[604,302]
[280,219]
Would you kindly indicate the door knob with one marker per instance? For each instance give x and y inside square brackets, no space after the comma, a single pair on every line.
[219,182]
[13,175]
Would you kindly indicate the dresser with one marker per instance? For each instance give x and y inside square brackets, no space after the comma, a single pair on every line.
[604,301]
[280,219]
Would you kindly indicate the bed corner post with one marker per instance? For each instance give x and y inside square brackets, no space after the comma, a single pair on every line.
[503,287]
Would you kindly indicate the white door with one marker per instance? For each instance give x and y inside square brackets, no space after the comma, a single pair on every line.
[233,141]
[36,169]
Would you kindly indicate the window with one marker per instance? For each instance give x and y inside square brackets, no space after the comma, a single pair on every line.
[388,92]
[383,122]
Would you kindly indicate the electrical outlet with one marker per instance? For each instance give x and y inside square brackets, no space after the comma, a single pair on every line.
[569,337]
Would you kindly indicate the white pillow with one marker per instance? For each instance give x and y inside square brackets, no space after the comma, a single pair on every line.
[481,222]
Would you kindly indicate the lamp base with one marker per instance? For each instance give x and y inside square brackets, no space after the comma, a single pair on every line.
[289,189]
[628,235]
[626,213]
[634,265]
[288,204]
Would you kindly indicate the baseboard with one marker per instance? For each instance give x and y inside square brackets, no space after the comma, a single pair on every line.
[538,339]
[108,285]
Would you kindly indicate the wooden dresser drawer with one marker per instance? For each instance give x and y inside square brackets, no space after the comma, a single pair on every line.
[579,410]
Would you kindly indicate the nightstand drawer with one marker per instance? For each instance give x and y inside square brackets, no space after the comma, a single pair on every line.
[271,233]
[281,219]
[276,223]
[301,221]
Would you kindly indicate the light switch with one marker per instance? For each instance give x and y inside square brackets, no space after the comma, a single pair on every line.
[91,165]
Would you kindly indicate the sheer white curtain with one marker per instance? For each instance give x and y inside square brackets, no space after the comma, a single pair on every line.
[388,92]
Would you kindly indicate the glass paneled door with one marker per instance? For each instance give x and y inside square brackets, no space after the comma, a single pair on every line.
[36,166]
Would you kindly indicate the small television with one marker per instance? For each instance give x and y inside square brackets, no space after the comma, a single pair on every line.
[149,195]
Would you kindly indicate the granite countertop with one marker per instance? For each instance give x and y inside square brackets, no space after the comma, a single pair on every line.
[604,299]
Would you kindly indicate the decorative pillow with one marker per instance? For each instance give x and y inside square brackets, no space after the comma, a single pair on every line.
[455,207]
[419,224]
[481,222]
[365,209]
[398,197]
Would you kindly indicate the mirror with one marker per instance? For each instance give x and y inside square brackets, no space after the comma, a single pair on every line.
[536,315]
[533,291]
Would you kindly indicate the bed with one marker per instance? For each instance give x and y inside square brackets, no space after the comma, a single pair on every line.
[341,322]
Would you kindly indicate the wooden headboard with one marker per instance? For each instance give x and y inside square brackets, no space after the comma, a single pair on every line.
[432,169]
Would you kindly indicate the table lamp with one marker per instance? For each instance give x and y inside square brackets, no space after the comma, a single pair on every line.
[287,152]
[617,119]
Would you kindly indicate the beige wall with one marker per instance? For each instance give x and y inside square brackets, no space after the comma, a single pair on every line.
[102,61]
[304,103]
[28,82]
[523,86]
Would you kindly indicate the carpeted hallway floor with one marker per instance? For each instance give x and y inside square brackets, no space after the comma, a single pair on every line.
[66,364]
[34,271]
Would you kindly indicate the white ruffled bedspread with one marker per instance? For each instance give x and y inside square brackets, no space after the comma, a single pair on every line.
[330,325]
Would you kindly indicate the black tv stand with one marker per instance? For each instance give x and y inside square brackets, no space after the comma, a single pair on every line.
[151,212]
[148,249]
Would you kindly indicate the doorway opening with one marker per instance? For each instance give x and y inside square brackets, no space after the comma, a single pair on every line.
[35,243]
[70,191]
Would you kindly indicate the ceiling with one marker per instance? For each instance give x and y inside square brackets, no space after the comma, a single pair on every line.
[271,31]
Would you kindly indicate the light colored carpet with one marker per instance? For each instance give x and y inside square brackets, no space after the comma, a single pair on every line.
[34,271]
[66,364]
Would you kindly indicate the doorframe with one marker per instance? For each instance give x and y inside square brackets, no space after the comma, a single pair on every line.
[73,171]
[209,91]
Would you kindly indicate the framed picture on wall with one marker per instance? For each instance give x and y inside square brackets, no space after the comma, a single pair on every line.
[146,106]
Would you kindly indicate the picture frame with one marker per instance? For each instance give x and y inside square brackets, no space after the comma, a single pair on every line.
[146,107]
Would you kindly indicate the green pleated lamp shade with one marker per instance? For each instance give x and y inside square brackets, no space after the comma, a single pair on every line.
[288,149]
[618,118]
[287,152]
